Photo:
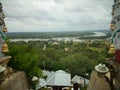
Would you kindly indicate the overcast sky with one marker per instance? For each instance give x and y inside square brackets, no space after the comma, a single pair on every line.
[57,15]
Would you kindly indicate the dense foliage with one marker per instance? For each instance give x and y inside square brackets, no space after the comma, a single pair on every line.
[76,58]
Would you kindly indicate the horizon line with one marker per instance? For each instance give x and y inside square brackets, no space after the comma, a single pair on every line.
[55,31]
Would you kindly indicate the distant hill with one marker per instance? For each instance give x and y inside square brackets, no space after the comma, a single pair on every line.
[22,35]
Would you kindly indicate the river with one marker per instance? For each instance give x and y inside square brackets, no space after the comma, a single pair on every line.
[74,39]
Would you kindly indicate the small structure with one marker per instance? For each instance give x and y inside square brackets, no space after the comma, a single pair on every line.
[78,82]
[41,83]
[44,47]
[56,43]
[59,80]
[101,69]
[66,49]
[34,78]
[47,73]
[81,81]
[34,82]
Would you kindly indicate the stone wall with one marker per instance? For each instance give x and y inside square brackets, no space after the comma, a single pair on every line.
[1,42]
[98,83]
[16,81]
[117,75]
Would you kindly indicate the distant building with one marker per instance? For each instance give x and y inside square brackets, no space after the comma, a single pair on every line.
[56,80]
[66,49]
[56,43]
[79,80]
[44,47]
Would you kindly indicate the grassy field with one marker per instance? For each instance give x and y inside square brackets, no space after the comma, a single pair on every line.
[96,49]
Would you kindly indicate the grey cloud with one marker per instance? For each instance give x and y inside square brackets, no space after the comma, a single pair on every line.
[58,14]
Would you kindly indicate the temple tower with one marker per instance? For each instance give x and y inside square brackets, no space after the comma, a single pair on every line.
[115,40]
[112,78]
[115,27]
[3,47]
[3,30]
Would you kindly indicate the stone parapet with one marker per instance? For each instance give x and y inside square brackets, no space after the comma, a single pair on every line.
[117,56]
[4,60]
[117,76]
[98,82]
[17,81]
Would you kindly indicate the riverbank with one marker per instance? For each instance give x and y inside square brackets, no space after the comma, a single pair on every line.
[65,39]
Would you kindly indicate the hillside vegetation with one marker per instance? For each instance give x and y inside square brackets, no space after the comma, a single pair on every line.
[75,58]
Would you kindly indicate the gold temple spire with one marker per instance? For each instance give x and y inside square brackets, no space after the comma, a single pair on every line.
[112,27]
[111,50]
[5,48]
[4,29]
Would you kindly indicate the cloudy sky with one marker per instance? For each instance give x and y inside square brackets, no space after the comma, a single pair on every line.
[57,15]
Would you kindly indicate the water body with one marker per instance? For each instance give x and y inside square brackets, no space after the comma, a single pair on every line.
[74,39]
[98,34]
